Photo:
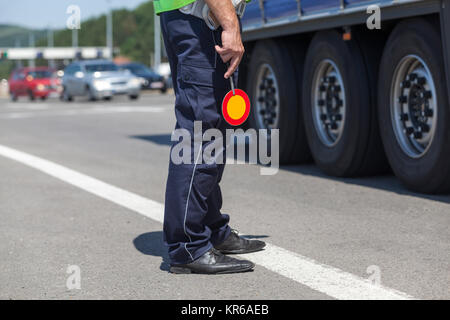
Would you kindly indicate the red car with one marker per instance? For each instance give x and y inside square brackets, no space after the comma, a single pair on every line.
[39,82]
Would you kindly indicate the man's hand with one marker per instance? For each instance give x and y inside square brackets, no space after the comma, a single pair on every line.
[232,48]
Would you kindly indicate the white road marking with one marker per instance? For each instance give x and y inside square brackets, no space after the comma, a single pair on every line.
[141,205]
[326,279]
[90,111]
[29,106]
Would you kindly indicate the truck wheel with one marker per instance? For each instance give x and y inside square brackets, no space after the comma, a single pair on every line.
[372,46]
[414,107]
[297,50]
[337,106]
[272,89]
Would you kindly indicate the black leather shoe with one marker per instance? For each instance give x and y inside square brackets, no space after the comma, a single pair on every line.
[213,262]
[235,244]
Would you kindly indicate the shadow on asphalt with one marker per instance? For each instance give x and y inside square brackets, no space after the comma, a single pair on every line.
[386,182]
[152,244]
[161,139]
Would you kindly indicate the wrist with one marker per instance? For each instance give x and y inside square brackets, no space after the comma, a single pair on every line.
[230,25]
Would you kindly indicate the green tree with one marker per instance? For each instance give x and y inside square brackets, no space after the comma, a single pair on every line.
[133,35]
[133,32]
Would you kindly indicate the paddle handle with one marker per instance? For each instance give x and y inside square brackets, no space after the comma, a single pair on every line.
[232,85]
[231,80]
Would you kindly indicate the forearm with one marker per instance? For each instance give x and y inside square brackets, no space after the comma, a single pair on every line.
[225,13]
[232,48]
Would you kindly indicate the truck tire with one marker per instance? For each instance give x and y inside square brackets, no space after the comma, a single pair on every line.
[272,87]
[297,49]
[337,106]
[372,45]
[414,107]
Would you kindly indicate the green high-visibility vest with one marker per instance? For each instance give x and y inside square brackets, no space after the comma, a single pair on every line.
[168,5]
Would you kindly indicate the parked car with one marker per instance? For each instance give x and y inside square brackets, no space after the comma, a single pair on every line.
[149,78]
[164,70]
[98,79]
[39,82]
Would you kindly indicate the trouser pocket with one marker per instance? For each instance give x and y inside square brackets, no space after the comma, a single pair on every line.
[202,90]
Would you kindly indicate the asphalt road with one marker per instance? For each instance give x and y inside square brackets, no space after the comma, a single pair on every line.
[328,237]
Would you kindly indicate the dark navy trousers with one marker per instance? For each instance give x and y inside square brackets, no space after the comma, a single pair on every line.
[193,222]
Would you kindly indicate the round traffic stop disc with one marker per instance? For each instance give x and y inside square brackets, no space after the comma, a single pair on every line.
[236,107]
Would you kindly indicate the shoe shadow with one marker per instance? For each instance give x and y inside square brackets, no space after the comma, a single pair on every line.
[152,244]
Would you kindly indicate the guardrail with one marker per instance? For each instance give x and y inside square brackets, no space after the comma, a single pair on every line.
[55,53]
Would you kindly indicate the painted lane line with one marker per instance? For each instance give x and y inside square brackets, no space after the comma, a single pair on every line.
[326,279]
[74,112]
[146,207]
[29,107]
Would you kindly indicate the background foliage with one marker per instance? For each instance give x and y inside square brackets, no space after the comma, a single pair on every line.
[133,35]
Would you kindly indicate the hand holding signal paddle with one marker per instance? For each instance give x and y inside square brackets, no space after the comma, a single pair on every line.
[235,106]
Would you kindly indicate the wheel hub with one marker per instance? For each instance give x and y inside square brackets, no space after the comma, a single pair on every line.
[329,103]
[414,112]
[268,101]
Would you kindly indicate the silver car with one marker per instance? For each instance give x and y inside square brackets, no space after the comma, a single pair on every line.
[98,79]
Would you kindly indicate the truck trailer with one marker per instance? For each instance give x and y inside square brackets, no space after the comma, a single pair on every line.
[356,97]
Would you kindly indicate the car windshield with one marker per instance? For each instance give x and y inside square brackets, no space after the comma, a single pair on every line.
[91,68]
[137,68]
[41,74]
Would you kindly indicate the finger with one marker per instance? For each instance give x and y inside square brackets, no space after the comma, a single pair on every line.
[233,66]
[223,50]
[220,50]
[226,57]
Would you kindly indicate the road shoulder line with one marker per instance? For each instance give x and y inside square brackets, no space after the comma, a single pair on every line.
[323,278]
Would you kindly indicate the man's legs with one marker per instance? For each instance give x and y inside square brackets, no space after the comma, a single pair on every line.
[215,220]
[193,200]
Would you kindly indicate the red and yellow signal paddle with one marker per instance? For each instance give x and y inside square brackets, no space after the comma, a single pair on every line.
[235,106]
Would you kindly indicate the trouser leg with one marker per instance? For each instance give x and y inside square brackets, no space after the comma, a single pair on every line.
[215,220]
[192,220]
